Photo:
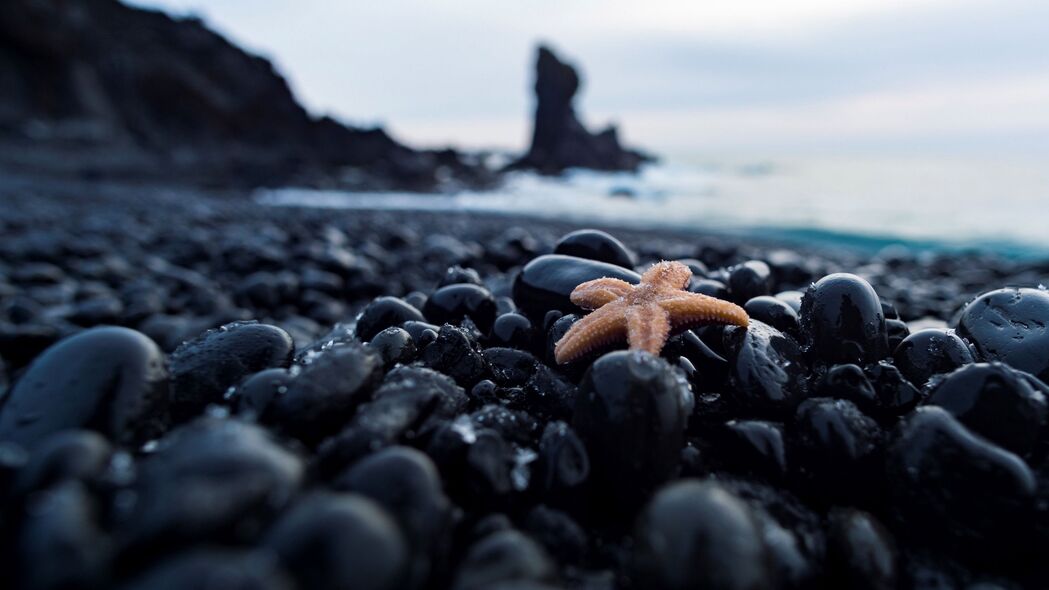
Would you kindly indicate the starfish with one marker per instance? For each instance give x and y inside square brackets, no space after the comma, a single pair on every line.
[644,315]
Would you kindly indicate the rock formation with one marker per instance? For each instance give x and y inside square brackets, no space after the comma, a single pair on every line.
[97,88]
[559,139]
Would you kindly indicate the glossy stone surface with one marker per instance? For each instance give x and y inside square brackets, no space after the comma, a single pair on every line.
[774,312]
[1006,406]
[749,280]
[930,352]
[546,282]
[765,368]
[452,303]
[112,380]
[631,412]
[384,312]
[842,321]
[513,330]
[596,245]
[1012,326]
[394,345]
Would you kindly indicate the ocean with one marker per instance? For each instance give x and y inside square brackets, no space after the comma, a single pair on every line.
[998,204]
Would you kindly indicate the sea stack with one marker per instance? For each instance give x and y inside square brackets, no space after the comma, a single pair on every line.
[559,139]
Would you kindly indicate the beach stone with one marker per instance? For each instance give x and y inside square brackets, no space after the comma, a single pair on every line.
[212,569]
[326,392]
[108,379]
[456,354]
[791,298]
[766,368]
[452,303]
[394,345]
[203,369]
[953,485]
[710,287]
[848,382]
[752,446]
[510,367]
[930,352]
[503,557]
[337,541]
[696,534]
[70,455]
[711,369]
[774,312]
[1005,405]
[631,412]
[894,395]
[596,245]
[835,449]
[384,312]
[558,532]
[546,282]
[860,552]
[513,330]
[1010,325]
[842,321]
[255,394]
[563,463]
[457,274]
[751,279]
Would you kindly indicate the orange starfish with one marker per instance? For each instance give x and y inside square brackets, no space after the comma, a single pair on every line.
[644,315]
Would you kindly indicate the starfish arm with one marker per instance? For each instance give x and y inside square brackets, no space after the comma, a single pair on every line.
[593,294]
[694,309]
[601,328]
[647,328]
[668,274]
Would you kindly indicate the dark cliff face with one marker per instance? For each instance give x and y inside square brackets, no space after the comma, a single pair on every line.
[126,91]
[559,139]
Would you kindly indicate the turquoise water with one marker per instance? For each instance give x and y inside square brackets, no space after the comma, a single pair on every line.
[998,204]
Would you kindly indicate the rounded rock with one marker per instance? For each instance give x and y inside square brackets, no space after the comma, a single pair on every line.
[930,352]
[546,282]
[749,280]
[765,368]
[843,322]
[596,245]
[394,345]
[384,312]
[1011,326]
[452,303]
[111,380]
[513,330]
[774,312]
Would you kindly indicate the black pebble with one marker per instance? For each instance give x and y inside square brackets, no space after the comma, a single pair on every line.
[709,287]
[631,411]
[546,282]
[836,450]
[452,303]
[111,380]
[456,354]
[212,569]
[255,394]
[203,369]
[842,321]
[501,558]
[1012,326]
[749,280]
[861,552]
[384,312]
[1005,405]
[513,330]
[596,245]
[394,345]
[766,368]
[930,352]
[774,312]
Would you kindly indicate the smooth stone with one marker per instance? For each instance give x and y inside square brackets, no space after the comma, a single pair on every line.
[710,368]
[452,303]
[631,412]
[954,485]
[1005,405]
[1010,325]
[848,382]
[791,298]
[203,369]
[774,312]
[752,446]
[212,569]
[546,282]
[513,330]
[112,380]
[326,392]
[457,274]
[895,396]
[836,449]
[255,394]
[563,464]
[394,345]
[558,532]
[930,352]
[896,332]
[766,368]
[842,321]
[860,552]
[596,245]
[510,367]
[749,280]
[456,354]
[209,478]
[696,534]
[710,288]
[340,541]
[384,312]
[70,455]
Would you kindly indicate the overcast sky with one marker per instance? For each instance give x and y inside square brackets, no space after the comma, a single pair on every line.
[677,75]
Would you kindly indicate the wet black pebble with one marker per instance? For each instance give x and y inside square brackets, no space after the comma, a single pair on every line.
[896,331]
[546,282]
[452,303]
[752,447]
[1012,326]
[766,368]
[894,395]
[1005,405]
[456,354]
[338,541]
[71,455]
[111,380]
[394,345]
[696,534]
[860,552]
[562,536]
[458,274]
[842,320]
[631,411]
[952,485]
[384,312]
[709,287]
[503,557]
[513,330]
[596,245]
[563,464]
[203,369]
[255,394]
[749,280]
[774,312]
[930,352]
[836,450]
[326,392]
[710,368]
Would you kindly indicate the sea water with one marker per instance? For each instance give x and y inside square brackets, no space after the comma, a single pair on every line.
[993,203]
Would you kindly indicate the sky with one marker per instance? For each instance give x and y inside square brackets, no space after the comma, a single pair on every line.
[747,76]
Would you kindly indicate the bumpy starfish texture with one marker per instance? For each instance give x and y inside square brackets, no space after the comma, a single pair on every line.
[644,315]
